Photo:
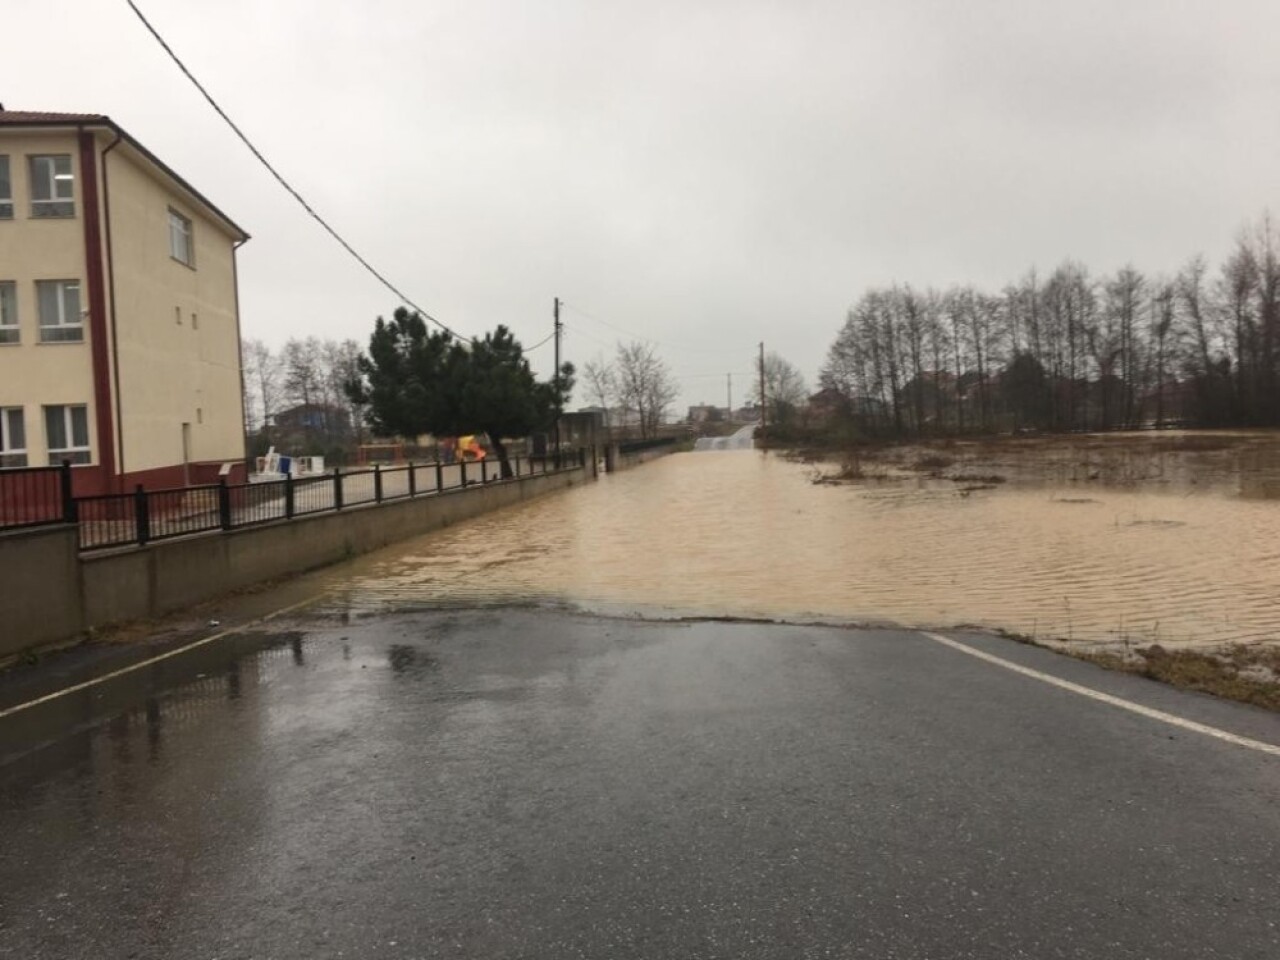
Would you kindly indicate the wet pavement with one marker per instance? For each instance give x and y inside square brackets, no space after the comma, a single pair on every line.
[543,783]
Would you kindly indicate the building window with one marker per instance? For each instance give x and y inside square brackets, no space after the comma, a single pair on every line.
[52,186]
[67,432]
[59,305]
[180,246]
[6,191]
[13,438]
[8,312]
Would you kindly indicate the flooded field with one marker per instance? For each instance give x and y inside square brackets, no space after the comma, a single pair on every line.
[1169,538]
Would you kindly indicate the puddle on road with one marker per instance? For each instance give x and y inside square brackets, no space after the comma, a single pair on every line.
[1092,539]
[162,694]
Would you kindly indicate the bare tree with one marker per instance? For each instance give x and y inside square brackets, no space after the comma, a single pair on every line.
[340,365]
[1113,345]
[601,381]
[1083,352]
[1162,316]
[784,389]
[303,371]
[263,384]
[644,384]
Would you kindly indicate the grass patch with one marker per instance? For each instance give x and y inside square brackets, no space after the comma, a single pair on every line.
[932,462]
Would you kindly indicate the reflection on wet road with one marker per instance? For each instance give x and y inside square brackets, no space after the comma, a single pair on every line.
[738,533]
[533,784]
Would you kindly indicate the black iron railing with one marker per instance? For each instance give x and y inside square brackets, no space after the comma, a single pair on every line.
[116,520]
[35,496]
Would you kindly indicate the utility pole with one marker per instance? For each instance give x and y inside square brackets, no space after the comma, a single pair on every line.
[730,415]
[763,416]
[555,377]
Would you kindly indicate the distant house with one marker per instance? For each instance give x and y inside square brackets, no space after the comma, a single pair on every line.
[706,413]
[826,403]
[830,402]
[119,326]
[315,418]
[614,417]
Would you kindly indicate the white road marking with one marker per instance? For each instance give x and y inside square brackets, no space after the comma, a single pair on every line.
[156,659]
[1123,704]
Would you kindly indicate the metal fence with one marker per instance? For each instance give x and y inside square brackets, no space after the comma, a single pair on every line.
[116,520]
[34,496]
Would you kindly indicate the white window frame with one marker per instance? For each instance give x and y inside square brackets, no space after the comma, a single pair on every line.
[6,188]
[182,234]
[53,332]
[59,185]
[10,332]
[77,453]
[11,455]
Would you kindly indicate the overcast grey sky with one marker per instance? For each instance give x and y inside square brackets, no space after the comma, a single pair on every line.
[706,174]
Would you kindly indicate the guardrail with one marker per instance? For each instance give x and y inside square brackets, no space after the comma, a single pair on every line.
[635,446]
[125,519]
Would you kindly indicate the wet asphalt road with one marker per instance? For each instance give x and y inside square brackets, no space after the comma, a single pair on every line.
[528,783]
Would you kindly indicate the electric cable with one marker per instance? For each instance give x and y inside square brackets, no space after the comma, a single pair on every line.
[544,340]
[285,183]
[630,333]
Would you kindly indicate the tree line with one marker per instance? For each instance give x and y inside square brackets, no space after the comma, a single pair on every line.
[1070,351]
[295,397]
[318,396]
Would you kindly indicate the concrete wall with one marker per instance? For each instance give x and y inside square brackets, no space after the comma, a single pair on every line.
[40,602]
[170,575]
[615,460]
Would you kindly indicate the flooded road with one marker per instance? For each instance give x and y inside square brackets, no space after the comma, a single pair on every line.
[376,774]
[1088,546]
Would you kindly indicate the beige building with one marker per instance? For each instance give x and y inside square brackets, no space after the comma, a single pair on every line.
[119,325]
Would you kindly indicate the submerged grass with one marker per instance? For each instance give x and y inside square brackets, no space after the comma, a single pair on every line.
[1246,674]
[932,462]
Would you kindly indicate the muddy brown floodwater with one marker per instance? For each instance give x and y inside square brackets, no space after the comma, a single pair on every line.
[1172,538]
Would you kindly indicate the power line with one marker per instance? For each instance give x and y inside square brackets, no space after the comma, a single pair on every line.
[605,323]
[285,183]
[682,377]
[583,333]
[544,340]
[631,333]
